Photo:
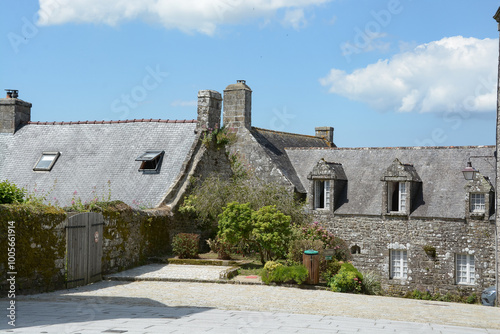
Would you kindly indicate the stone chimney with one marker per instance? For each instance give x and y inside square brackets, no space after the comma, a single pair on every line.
[238,106]
[14,113]
[209,109]
[325,132]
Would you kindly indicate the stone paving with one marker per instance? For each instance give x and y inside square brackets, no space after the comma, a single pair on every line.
[152,306]
[172,272]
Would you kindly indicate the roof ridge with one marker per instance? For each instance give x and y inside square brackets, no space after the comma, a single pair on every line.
[151,120]
[288,133]
[390,148]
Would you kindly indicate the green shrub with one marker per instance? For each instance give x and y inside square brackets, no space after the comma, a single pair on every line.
[186,245]
[332,268]
[221,247]
[371,283]
[417,294]
[315,231]
[267,229]
[271,266]
[297,247]
[219,138]
[271,232]
[235,223]
[209,197]
[278,273]
[10,193]
[472,299]
[348,279]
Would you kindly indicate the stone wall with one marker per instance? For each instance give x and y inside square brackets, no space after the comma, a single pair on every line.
[130,238]
[376,237]
[256,161]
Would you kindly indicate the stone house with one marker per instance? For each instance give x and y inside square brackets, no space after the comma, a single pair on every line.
[406,213]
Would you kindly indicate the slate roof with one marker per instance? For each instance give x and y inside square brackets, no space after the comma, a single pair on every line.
[443,193]
[275,142]
[93,153]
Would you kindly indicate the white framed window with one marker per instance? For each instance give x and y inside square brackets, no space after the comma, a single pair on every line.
[465,267]
[399,264]
[396,192]
[46,161]
[322,194]
[477,203]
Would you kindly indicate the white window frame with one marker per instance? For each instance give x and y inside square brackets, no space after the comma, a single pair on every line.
[399,264]
[45,157]
[322,194]
[402,195]
[477,202]
[465,269]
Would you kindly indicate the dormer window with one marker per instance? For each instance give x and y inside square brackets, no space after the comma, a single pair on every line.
[151,161]
[477,203]
[397,194]
[322,194]
[327,186]
[479,198]
[401,185]
[46,161]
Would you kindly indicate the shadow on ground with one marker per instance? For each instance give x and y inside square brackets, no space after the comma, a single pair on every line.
[73,311]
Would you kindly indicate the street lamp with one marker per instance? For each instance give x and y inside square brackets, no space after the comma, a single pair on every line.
[469,171]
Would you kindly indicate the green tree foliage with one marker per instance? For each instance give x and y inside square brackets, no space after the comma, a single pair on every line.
[267,229]
[210,197]
[348,279]
[186,245]
[272,232]
[235,223]
[10,193]
[277,273]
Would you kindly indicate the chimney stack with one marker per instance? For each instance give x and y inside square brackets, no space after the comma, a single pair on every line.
[209,109]
[14,113]
[325,132]
[238,106]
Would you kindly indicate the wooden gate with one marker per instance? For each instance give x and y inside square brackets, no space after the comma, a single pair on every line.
[83,249]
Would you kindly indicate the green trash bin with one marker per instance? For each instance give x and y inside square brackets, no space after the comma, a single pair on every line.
[310,260]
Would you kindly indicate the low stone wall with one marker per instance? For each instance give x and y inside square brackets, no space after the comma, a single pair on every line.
[32,248]
[376,236]
[130,238]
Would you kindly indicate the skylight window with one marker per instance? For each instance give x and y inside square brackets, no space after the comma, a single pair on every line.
[151,161]
[46,161]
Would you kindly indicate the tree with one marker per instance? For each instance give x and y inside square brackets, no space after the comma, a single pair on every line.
[235,223]
[272,232]
[10,193]
[268,229]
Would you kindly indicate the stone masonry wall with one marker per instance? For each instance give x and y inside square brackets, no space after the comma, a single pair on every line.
[256,161]
[376,237]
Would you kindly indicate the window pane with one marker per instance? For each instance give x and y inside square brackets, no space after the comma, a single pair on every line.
[327,195]
[45,162]
[477,202]
[399,264]
[402,196]
[465,268]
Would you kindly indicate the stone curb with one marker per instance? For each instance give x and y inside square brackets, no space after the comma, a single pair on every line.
[233,280]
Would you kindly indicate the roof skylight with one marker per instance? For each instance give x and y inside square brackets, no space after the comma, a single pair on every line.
[46,161]
[151,161]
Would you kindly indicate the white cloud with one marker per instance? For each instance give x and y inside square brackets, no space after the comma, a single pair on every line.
[185,15]
[454,73]
[295,18]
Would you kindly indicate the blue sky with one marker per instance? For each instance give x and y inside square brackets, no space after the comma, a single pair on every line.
[382,73]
